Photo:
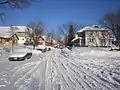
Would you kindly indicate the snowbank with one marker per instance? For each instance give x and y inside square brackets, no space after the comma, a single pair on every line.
[41,47]
[95,53]
[65,49]
[37,52]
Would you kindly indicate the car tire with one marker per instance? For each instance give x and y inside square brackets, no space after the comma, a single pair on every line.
[29,56]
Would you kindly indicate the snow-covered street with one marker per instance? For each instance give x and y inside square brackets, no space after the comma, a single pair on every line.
[82,68]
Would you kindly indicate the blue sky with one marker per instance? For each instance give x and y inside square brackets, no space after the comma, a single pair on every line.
[57,12]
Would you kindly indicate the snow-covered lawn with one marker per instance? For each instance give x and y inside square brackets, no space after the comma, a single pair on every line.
[80,69]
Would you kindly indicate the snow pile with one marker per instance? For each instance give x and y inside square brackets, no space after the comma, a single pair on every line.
[30,47]
[41,47]
[37,52]
[115,54]
[65,49]
[98,53]
[95,53]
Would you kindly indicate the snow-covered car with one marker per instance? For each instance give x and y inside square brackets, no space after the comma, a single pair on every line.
[41,48]
[20,56]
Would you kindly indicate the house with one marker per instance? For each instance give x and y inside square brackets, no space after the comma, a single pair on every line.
[49,41]
[42,41]
[93,35]
[7,37]
[22,33]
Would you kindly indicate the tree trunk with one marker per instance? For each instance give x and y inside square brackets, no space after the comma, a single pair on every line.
[119,47]
[33,45]
[119,44]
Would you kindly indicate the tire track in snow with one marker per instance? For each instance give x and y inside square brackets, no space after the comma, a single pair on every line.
[70,77]
[62,73]
[84,85]
[25,75]
[59,71]
[109,86]
[48,73]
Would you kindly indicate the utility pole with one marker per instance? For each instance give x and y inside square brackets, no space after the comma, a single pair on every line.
[11,34]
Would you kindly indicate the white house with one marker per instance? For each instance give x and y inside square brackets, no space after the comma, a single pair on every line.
[21,31]
[93,35]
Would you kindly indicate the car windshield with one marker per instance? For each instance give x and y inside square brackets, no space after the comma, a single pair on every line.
[59,44]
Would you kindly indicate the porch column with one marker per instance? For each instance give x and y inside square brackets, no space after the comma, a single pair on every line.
[79,41]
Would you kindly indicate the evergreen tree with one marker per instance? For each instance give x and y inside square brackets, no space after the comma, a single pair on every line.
[71,35]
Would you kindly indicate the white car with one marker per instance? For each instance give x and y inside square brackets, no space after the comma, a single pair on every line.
[41,48]
[20,55]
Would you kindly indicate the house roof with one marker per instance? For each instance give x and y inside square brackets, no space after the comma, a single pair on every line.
[21,28]
[7,35]
[5,32]
[94,28]
[15,28]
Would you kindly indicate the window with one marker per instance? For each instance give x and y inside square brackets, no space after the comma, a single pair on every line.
[91,40]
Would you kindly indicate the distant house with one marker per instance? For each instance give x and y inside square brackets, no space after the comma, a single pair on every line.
[42,41]
[93,35]
[49,41]
[7,37]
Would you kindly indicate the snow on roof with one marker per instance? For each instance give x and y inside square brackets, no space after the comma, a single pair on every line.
[93,27]
[44,37]
[21,28]
[5,32]
[4,29]
[15,28]
[76,38]
[7,35]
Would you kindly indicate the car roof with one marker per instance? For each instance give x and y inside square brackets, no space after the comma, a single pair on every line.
[18,54]
[22,50]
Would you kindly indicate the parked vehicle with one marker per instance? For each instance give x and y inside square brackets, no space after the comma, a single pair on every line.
[20,56]
[41,48]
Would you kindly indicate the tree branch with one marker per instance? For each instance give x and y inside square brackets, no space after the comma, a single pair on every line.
[4,2]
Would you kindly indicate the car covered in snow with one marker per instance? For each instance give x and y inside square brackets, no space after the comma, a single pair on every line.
[41,48]
[21,54]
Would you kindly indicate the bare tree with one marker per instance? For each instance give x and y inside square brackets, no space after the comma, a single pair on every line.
[18,4]
[112,21]
[2,15]
[50,36]
[38,30]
